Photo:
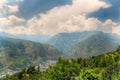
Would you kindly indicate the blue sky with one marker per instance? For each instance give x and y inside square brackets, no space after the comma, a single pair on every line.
[110,13]
[53,16]
[34,7]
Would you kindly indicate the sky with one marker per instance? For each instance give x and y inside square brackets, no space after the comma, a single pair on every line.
[49,17]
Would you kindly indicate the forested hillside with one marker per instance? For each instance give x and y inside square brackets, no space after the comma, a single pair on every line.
[64,41]
[98,43]
[20,53]
[103,67]
[85,44]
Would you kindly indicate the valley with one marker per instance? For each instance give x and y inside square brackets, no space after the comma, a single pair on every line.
[16,54]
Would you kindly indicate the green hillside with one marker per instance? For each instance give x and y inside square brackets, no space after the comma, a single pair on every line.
[96,44]
[102,67]
[85,44]
[63,41]
[20,53]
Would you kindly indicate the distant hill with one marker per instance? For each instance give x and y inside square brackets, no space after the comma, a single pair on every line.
[16,52]
[37,38]
[3,34]
[75,44]
[94,45]
[64,41]
[85,44]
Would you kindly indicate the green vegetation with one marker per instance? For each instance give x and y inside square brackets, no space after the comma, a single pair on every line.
[64,41]
[85,44]
[94,45]
[103,67]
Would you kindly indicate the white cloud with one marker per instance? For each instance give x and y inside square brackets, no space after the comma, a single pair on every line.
[13,20]
[2,2]
[16,30]
[116,30]
[69,18]
[3,22]
[13,9]
[8,9]
[90,5]
[79,23]
[66,18]
[10,21]
[19,0]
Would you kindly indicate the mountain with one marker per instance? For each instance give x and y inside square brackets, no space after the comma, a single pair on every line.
[94,45]
[80,44]
[3,34]
[64,41]
[37,38]
[85,44]
[16,52]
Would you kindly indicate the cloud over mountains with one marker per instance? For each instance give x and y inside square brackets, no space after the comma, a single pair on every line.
[66,18]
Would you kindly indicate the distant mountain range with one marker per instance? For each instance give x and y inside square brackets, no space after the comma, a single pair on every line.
[75,44]
[35,38]
[97,44]
[64,41]
[85,44]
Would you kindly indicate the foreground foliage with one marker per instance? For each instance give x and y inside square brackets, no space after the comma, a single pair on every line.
[103,67]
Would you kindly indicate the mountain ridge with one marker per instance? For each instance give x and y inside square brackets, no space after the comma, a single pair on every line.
[94,45]
[23,51]
[71,41]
